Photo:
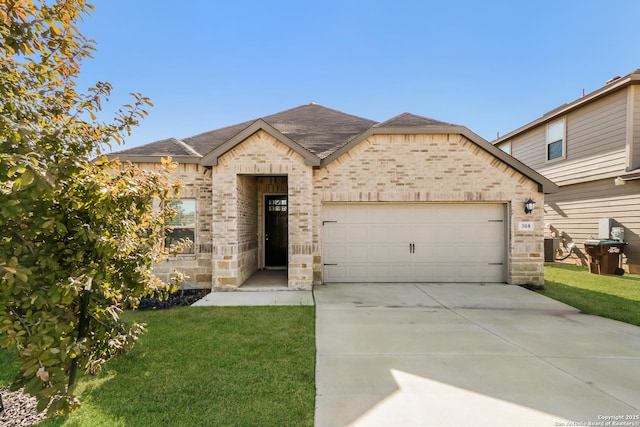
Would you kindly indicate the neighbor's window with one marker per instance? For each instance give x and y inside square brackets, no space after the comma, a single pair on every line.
[506,147]
[183,224]
[556,141]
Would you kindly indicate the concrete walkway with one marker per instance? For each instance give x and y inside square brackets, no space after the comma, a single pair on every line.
[264,287]
[469,355]
[256,298]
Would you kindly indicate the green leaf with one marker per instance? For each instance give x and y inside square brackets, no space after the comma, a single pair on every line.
[61,215]
[26,178]
[13,171]
[43,402]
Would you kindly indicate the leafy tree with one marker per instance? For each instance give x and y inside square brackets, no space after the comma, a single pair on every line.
[79,233]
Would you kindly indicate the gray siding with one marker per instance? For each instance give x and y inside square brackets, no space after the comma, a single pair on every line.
[574,211]
[596,144]
[529,148]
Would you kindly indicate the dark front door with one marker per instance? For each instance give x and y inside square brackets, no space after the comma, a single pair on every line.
[276,231]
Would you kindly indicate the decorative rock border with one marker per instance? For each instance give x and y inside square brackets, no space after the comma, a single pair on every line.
[19,409]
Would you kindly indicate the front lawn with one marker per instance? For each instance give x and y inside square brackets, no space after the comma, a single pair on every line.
[196,366]
[615,297]
[8,367]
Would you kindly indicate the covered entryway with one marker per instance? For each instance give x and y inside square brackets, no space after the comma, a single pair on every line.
[414,242]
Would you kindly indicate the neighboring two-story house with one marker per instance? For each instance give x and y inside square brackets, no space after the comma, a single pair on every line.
[591,149]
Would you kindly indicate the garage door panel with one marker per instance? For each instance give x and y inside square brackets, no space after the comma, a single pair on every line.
[399,252]
[425,251]
[414,242]
[438,252]
[489,231]
[378,252]
[446,273]
[479,253]
[377,272]
[358,253]
[334,253]
[401,272]
[423,233]
[356,233]
[379,234]
[425,271]
[378,216]
[405,233]
[335,273]
[336,233]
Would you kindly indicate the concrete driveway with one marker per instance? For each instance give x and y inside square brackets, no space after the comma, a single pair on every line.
[469,355]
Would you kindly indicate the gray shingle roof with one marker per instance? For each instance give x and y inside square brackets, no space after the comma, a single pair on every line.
[408,119]
[163,148]
[205,142]
[316,128]
[319,130]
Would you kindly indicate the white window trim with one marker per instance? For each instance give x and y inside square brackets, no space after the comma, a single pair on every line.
[564,141]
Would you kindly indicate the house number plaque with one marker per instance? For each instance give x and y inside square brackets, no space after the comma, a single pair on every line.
[525,226]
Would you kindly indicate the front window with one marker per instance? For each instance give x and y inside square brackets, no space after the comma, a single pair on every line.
[556,141]
[183,224]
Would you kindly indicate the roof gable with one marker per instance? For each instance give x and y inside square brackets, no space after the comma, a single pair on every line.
[211,159]
[409,124]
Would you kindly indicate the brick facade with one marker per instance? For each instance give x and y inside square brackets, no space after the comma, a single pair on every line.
[382,168]
[196,184]
[435,168]
[260,165]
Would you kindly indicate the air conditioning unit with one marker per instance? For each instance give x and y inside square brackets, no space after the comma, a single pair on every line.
[604,228]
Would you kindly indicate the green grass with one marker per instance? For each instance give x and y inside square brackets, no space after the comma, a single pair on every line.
[614,297]
[8,367]
[207,366]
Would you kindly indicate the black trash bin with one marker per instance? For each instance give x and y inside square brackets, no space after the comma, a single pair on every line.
[604,256]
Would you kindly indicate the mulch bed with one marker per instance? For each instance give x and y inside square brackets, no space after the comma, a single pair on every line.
[182,297]
[19,409]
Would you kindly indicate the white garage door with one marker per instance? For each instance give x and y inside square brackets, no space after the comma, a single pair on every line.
[414,242]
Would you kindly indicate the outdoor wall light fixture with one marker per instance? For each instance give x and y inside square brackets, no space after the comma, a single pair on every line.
[528,206]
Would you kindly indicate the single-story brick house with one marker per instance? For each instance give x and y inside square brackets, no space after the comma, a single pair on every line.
[332,197]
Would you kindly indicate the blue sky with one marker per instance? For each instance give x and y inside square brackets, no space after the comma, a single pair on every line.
[489,65]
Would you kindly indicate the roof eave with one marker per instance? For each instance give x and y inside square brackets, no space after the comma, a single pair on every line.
[211,159]
[137,158]
[545,185]
[616,85]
